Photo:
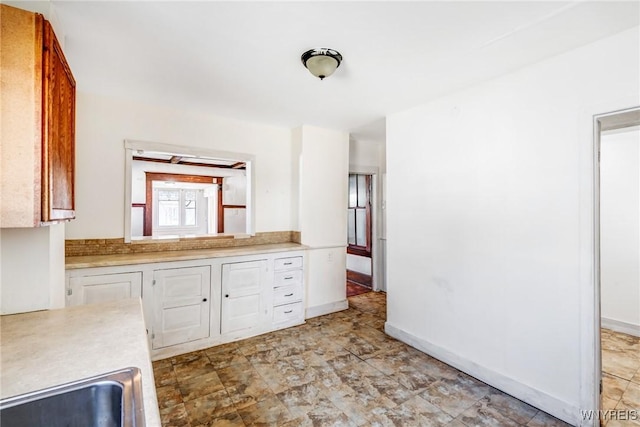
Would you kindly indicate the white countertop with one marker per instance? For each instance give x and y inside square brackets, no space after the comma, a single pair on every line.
[47,348]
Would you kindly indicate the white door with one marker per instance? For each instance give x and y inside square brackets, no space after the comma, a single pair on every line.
[103,288]
[243,285]
[182,304]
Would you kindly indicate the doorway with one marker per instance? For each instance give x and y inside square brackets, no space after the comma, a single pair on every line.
[359,235]
[364,250]
[617,225]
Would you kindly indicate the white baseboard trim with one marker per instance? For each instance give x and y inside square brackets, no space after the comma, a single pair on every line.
[541,400]
[620,326]
[321,310]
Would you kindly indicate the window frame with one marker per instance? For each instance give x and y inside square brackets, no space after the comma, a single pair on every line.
[181,228]
[149,221]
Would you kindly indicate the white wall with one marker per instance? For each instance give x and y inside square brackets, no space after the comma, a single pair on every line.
[487,226]
[359,264]
[32,273]
[366,152]
[620,230]
[323,170]
[103,124]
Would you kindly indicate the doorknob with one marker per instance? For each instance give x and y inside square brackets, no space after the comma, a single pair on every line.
[226,296]
[204,300]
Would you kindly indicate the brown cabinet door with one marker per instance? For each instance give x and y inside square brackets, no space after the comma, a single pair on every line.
[58,136]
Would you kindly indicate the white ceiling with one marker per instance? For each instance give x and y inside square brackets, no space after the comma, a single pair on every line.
[242,59]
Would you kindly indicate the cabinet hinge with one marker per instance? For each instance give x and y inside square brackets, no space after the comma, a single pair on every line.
[153,283]
[69,291]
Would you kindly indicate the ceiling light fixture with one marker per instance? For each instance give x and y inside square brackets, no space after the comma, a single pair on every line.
[321,62]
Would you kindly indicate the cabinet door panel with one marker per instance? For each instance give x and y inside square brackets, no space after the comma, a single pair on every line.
[58,138]
[243,285]
[182,305]
[103,288]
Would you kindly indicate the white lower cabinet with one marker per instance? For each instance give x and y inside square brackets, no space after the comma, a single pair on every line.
[243,299]
[91,289]
[288,291]
[194,304]
[181,300]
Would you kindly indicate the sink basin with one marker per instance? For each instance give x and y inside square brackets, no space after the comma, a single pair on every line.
[109,400]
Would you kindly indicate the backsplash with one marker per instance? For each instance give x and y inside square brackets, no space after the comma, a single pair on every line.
[82,247]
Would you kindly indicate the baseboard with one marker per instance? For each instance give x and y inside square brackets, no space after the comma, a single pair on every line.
[620,326]
[321,310]
[540,400]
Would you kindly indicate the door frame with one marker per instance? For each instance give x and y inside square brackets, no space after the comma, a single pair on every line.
[592,381]
[377,271]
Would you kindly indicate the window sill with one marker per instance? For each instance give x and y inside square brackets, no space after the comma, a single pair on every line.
[352,250]
[176,238]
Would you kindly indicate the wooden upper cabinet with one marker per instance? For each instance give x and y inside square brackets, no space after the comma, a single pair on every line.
[58,137]
[37,128]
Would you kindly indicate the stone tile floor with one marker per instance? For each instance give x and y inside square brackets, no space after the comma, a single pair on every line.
[335,370]
[620,376]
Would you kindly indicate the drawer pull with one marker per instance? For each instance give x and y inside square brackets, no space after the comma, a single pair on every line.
[288,278]
[287,312]
[288,263]
[288,295]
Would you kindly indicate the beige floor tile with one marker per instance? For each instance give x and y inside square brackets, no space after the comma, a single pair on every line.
[174,416]
[542,419]
[619,363]
[613,387]
[509,406]
[208,407]
[164,376]
[418,412]
[168,396]
[454,396]
[194,368]
[609,403]
[164,363]
[267,412]
[335,370]
[193,388]
[631,396]
[222,359]
[231,419]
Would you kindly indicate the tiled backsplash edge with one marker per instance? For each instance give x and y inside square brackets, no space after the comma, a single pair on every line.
[82,247]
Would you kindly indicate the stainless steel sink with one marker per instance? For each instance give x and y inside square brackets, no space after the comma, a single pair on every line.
[109,400]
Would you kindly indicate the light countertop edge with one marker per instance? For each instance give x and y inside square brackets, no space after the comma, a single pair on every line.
[47,348]
[184,255]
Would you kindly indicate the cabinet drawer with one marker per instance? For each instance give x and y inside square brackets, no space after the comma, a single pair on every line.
[287,263]
[285,278]
[288,313]
[287,294]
